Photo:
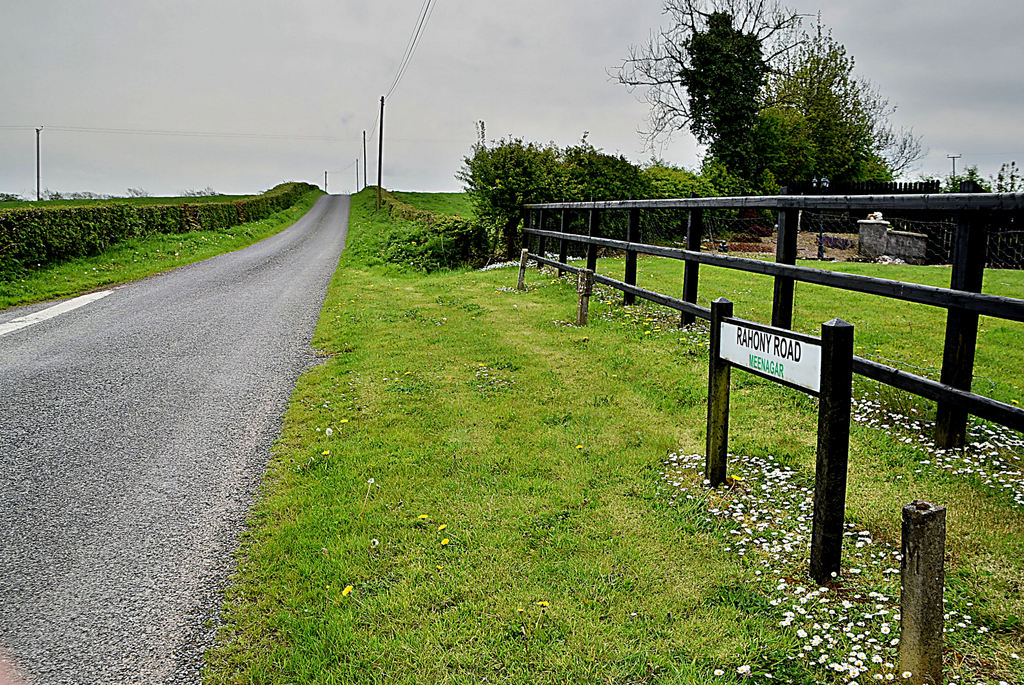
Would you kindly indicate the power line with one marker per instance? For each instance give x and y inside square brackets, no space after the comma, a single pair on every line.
[425,11]
[182,133]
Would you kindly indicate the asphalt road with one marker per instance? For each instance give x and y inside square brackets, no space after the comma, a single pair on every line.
[133,432]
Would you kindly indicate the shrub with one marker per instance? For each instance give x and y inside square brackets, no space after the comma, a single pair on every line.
[432,241]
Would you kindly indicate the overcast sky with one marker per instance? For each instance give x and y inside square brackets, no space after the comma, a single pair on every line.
[304,78]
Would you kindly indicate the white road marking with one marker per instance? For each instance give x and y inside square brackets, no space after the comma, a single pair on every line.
[50,312]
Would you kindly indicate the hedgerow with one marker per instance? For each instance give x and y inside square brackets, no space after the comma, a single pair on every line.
[34,237]
[431,241]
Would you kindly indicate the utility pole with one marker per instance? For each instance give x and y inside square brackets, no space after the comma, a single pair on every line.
[38,175]
[357,174]
[380,150]
[325,181]
[365,177]
[954,158]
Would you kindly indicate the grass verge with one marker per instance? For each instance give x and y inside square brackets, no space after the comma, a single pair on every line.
[138,258]
[471,489]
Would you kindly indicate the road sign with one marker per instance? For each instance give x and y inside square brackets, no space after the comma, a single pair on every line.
[775,353]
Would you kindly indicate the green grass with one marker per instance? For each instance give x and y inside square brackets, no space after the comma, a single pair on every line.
[540,447]
[138,258]
[452,204]
[139,201]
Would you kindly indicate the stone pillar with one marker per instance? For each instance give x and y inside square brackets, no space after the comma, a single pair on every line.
[922,579]
[524,255]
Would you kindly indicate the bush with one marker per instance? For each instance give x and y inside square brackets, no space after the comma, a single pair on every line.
[31,237]
[432,241]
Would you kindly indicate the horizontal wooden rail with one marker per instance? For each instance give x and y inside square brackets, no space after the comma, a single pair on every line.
[978,405]
[940,202]
[988,305]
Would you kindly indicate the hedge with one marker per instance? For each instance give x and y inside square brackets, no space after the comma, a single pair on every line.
[48,235]
[441,241]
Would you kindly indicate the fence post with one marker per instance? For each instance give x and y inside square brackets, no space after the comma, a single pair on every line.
[592,225]
[584,288]
[632,236]
[969,248]
[563,244]
[691,270]
[785,253]
[922,577]
[833,448]
[523,257]
[541,242]
[719,372]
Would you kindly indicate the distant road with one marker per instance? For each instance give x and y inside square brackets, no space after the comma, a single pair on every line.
[133,431]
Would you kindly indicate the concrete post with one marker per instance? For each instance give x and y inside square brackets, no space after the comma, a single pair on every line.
[922,579]
[585,288]
[523,256]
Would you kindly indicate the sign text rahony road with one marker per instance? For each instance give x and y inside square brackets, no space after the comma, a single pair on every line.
[773,352]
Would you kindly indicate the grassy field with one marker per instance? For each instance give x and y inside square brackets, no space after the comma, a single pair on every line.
[470,489]
[454,204]
[135,259]
[29,204]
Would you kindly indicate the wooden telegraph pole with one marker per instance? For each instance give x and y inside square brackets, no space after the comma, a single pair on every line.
[380,150]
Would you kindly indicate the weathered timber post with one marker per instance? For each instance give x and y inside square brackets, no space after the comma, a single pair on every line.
[719,372]
[694,232]
[969,248]
[833,448]
[563,244]
[785,253]
[592,224]
[922,577]
[632,235]
[584,288]
[523,257]
[541,242]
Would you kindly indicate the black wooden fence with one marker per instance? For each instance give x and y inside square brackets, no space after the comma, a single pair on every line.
[963,300]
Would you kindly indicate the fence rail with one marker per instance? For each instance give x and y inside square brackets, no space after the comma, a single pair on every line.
[971,214]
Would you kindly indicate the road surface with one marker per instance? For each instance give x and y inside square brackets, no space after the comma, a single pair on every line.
[133,432]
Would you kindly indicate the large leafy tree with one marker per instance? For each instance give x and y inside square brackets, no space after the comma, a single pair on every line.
[820,120]
[663,68]
[723,78]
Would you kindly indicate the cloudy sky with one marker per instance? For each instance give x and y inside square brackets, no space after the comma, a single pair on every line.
[288,87]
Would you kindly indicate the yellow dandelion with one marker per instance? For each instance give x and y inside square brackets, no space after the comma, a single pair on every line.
[408,372]
[347,591]
[344,421]
[325,452]
[544,604]
[442,527]
[735,477]
[445,541]
[438,568]
[579,447]
[423,517]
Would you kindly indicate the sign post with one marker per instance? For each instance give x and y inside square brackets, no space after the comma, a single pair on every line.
[822,367]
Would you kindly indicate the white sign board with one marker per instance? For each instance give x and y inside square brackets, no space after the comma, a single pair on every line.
[774,353]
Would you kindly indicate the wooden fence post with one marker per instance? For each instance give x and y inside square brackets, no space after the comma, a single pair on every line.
[584,288]
[632,236]
[719,372]
[592,226]
[922,577]
[541,241]
[524,255]
[691,270]
[563,244]
[969,248]
[833,449]
[785,253]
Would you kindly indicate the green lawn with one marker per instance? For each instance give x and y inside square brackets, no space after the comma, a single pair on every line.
[471,489]
[138,258]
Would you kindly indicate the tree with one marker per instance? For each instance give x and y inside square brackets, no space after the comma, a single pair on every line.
[820,120]
[590,174]
[1008,180]
[724,78]
[665,66]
